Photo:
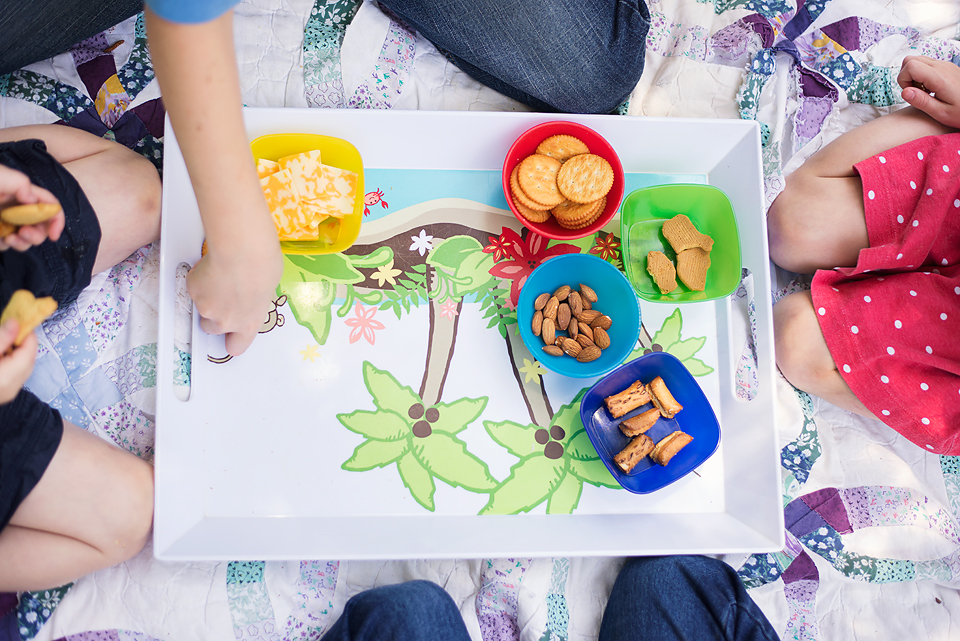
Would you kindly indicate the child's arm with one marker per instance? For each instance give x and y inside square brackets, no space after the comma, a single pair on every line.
[933,87]
[15,367]
[16,189]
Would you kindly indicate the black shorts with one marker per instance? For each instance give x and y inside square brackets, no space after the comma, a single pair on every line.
[30,430]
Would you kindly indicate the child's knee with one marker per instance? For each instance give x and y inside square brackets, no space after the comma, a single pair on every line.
[797,337]
[787,234]
[145,190]
[134,509]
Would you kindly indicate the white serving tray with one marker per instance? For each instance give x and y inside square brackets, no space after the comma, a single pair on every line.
[249,466]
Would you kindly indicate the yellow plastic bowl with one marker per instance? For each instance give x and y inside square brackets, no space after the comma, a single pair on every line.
[334,152]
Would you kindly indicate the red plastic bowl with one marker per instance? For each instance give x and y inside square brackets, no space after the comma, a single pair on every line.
[527,144]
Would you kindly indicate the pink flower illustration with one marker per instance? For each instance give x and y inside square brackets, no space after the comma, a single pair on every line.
[525,256]
[448,309]
[363,325]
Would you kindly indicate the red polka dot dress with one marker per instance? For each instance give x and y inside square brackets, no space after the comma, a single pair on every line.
[892,323]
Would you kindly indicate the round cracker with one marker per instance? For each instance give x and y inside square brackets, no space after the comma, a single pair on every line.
[589,219]
[562,147]
[532,215]
[585,178]
[570,212]
[518,194]
[537,176]
[29,214]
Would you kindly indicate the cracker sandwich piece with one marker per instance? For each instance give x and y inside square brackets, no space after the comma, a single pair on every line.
[669,446]
[28,311]
[662,271]
[634,452]
[637,425]
[662,398]
[629,399]
[692,266]
[682,234]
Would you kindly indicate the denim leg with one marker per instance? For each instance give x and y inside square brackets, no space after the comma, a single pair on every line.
[412,611]
[576,56]
[683,598]
[40,29]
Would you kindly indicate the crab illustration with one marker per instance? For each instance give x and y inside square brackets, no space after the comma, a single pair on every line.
[274,319]
[372,198]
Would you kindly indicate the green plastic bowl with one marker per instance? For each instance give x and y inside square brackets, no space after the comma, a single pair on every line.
[641,218]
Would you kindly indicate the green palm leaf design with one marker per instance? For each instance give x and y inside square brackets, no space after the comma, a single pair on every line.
[593,471]
[382,425]
[565,498]
[447,458]
[417,479]
[531,480]
[387,392]
[456,416]
[371,454]
[517,438]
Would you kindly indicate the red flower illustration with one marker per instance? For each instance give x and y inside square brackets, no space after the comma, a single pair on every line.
[497,247]
[607,248]
[525,256]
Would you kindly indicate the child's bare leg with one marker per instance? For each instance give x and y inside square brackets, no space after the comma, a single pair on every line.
[122,186]
[803,356]
[93,508]
[817,222]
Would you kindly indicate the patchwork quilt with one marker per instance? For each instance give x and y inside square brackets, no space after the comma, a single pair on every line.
[872,542]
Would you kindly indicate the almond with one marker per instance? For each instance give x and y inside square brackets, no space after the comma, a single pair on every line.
[584,341]
[541,301]
[586,316]
[603,322]
[601,338]
[562,292]
[571,347]
[573,328]
[585,330]
[537,323]
[553,350]
[548,331]
[588,294]
[550,309]
[589,353]
[563,316]
[587,304]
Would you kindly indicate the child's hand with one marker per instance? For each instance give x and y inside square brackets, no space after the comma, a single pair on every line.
[921,76]
[16,189]
[15,366]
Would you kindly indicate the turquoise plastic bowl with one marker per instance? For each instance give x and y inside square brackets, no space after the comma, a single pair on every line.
[615,298]
[708,208]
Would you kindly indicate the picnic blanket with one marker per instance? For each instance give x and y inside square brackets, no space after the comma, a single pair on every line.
[872,543]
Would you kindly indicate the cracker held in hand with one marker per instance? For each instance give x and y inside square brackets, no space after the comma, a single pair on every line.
[537,175]
[33,214]
[562,147]
[28,311]
[662,271]
[585,178]
[681,234]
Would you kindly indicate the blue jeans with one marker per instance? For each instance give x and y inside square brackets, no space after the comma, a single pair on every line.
[35,30]
[688,598]
[575,56]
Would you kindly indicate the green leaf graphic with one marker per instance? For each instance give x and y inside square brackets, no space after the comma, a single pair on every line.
[447,458]
[531,480]
[333,267]
[371,454]
[451,252]
[593,472]
[686,348]
[387,393]
[697,367]
[417,479]
[310,303]
[565,498]
[517,438]
[580,447]
[669,332]
[382,425]
[457,416]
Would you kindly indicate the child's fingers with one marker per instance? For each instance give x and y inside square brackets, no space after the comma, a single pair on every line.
[8,333]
